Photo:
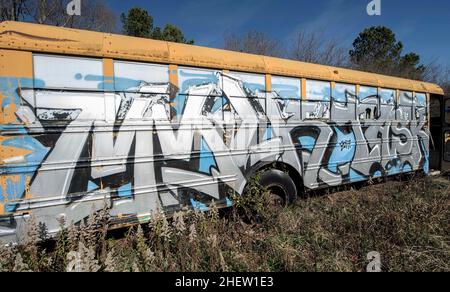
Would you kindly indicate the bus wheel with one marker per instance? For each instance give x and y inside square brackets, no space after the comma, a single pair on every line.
[281,187]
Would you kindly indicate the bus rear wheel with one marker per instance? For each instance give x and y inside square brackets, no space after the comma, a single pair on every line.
[282,189]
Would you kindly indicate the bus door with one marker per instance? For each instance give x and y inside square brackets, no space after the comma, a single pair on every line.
[446,136]
[436,126]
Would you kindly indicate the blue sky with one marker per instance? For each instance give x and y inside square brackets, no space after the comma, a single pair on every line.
[423,26]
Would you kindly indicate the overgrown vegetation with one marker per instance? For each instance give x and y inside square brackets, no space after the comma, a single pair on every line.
[407,223]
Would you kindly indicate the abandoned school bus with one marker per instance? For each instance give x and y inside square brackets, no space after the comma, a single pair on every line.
[91,120]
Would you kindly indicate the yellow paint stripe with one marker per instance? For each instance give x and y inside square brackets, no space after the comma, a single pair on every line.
[268,82]
[108,68]
[16,64]
[173,75]
[303,88]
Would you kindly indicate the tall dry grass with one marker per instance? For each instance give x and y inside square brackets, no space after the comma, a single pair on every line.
[408,223]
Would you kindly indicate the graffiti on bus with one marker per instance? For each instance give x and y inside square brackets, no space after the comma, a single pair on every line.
[141,146]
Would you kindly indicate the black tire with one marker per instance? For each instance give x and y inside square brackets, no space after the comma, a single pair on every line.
[279,184]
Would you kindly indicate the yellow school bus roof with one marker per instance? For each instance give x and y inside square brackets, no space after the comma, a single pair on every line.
[57,40]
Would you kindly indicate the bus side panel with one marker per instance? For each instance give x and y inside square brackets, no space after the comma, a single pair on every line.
[83,134]
[347,148]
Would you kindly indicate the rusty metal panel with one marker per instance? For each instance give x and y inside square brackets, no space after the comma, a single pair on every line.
[43,38]
[132,48]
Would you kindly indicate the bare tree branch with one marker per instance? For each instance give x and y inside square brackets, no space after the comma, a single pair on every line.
[12,10]
[315,48]
[254,42]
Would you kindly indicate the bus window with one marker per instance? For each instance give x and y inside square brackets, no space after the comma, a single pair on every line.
[255,89]
[420,107]
[369,107]
[136,82]
[344,93]
[317,104]
[420,99]
[189,78]
[388,99]
[344,102]
[62,72]
[318,90]
[288,91]
[191,89]
[131,76]
[254,83]
[288,88]
[406,106]
[388,96]
[368,94]
[406,98]
[67,89]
